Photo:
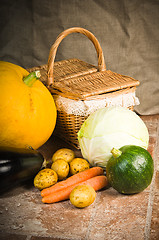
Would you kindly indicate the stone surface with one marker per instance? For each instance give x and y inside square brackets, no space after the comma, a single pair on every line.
[112,216]
[154,235]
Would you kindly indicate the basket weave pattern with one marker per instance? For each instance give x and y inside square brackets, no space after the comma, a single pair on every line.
[79,81]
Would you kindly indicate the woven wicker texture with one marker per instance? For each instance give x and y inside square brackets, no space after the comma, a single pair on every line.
[93,84]
[65,69]
[78,80]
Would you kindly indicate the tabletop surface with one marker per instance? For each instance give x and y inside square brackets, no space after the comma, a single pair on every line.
[23,216]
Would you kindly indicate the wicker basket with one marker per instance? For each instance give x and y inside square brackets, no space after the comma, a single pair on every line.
[79,88]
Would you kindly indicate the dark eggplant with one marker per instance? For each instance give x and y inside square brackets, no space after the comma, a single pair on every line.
[18,165]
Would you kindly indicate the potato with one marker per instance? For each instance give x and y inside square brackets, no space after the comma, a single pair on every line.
[78,165]
[45,178]
[66,154]
[61,167]
[82,196]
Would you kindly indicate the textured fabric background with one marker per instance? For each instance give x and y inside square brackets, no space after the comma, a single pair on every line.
[128,31]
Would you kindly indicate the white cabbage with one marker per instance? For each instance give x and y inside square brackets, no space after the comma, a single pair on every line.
[107,128]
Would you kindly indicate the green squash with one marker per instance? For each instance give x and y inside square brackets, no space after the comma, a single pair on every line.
[130,169]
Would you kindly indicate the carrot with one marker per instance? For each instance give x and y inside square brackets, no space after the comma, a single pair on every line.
[97,183]
[77,178]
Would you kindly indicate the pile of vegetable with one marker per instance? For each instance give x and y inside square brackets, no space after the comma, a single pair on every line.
[79,184]
[129,171]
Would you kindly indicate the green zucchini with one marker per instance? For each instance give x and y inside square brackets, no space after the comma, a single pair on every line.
[130,169]
[18,165]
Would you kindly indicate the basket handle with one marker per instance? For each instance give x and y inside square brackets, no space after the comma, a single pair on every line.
[61,36]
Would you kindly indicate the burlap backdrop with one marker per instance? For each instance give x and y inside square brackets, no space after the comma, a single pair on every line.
[128,31]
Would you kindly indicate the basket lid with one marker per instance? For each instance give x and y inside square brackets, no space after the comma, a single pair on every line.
[91,84]
[77,79]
